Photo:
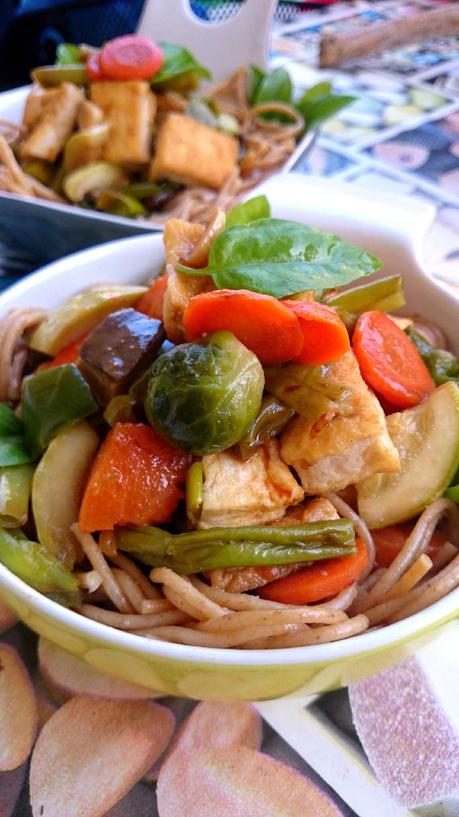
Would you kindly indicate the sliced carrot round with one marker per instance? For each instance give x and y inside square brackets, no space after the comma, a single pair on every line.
[151,303]
[320,581]
[325,337]
[389,361]
[131,57]
[262,323]
[93,69]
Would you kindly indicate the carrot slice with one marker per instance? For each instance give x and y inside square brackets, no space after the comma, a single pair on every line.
[325,337]
[151,303]
[261,322]
[389,361]
[389,542]
[136,479]
[322,580]
[93,69]
[130,57]
[69,354]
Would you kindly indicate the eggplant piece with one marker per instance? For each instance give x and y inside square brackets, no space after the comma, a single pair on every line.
[118,351]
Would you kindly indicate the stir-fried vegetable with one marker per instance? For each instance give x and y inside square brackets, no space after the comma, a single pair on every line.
[277,257]
[389,542]
[94,176]
[262,323]
[131,57]
[307,390]
[15,488]
[383,295]
[325,337]
[34,565]
[65,465]
[389,361]
[238,547]
[151,303]
[251,210]
[51,75]
[180,70]
[53,400]
[118,351]
[269,422]
[318,582]
[442,365]
[84,147]
[136,478]
[13,445]
[203,397]
[80,314]
[427,439]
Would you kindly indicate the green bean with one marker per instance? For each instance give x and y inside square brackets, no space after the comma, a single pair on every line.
[441,364]
[194,480]
[237,547]
[37,567]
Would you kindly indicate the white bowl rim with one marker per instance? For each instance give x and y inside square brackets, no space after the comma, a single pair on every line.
[366,642]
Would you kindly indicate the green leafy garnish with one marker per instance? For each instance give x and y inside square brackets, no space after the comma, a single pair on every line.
[280,258]
[67,54]
[179,64]
[274,87]
[251,210]
[255,76]
[13,447]
[320,103]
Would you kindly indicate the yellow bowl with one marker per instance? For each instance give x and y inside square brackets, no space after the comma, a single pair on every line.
[393,228]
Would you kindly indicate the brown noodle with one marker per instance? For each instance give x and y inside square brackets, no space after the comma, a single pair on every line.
[13,349]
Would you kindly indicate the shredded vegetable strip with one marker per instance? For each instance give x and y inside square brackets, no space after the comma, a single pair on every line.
[133,621]
[313,635]
[360,528]
[180,591]
[130,589]
[109,583]
[248,618]
[416,544]
[413,575]
[129,567]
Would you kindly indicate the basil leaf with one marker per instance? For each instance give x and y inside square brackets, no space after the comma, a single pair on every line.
[67,54]
[249,211]
[316,112]
[313,94]
[274,87]
[279,258]
[178,62]
[255,76]
[13,448]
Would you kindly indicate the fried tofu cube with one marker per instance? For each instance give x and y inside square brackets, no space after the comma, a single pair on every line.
[53,116]
[254,492]
[130,110]
[189,152]
[180,237]
[349,446]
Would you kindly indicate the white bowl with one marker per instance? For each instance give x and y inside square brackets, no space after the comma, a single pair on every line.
[391,227]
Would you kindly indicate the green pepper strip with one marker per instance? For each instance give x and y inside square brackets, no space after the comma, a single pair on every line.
[384,295]
[442,365]
[194,482]
[38,568]
[238,547]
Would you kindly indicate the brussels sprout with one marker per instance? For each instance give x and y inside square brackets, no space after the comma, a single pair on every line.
[203,397]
